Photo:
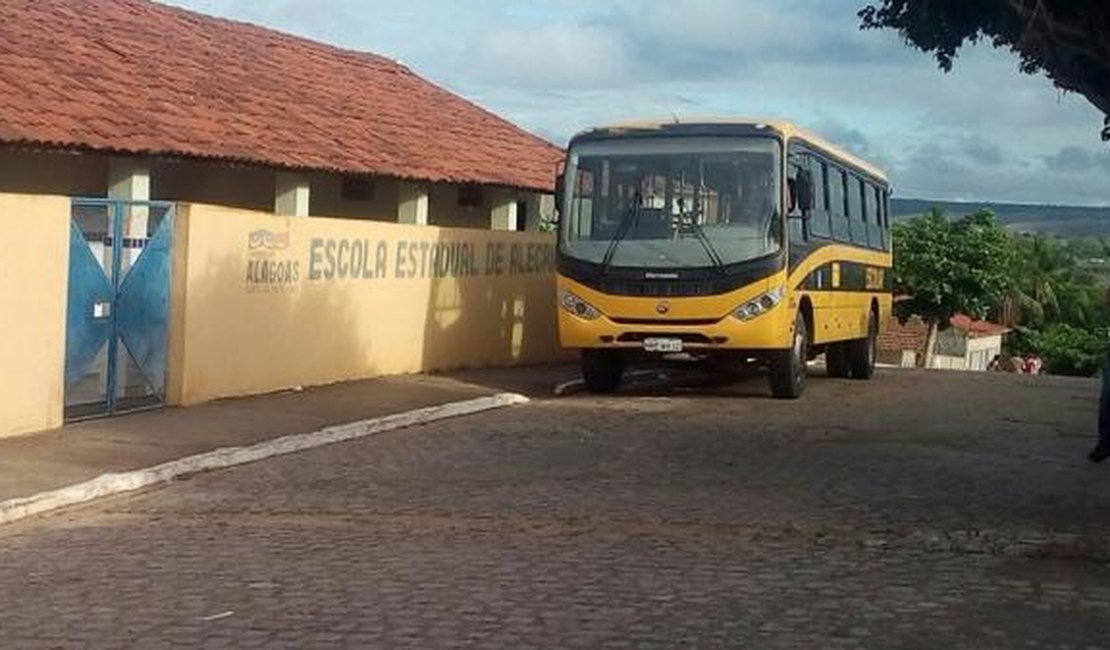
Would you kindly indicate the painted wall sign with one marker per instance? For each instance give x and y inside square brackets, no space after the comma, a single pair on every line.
[308,301]
[272,267]
[269,265]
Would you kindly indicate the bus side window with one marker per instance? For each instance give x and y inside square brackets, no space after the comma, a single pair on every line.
[876,238]
[887,244]
[856,211]
[795,225]
[838,184]
[819,220]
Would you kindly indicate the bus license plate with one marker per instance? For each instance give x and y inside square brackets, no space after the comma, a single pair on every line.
[663,345]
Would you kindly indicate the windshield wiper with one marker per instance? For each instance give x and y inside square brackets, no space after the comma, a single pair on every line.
[714,256]
[625,226]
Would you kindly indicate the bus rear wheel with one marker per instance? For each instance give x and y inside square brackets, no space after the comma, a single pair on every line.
[788,368]
[836,360]
[862,352]
[602,370]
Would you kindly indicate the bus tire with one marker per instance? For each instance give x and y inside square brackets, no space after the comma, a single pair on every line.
[862,352]
[602,370]
[788,367]
[836,361]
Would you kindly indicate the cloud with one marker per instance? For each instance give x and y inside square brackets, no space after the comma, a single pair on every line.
[1073,159]
[983,153]
[943,170]
[985,131]
[552,56]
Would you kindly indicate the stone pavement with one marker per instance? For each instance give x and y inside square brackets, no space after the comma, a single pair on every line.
[78,452]
[909,512]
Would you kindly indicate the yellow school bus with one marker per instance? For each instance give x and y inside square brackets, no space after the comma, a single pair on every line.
[725,242]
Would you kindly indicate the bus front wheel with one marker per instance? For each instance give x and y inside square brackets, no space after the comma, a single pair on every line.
[602,370]
[788,368]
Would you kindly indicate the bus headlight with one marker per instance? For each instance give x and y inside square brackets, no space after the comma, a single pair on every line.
[759,306]
[579,307]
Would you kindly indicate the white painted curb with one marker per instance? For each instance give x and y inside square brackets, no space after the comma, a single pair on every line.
[116,483]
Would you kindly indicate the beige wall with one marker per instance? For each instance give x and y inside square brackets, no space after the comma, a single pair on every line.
[33,282]
[275,313]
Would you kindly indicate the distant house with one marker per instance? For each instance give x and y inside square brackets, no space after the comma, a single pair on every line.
[967,344]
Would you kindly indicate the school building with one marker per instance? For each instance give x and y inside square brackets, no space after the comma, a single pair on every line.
[194,208]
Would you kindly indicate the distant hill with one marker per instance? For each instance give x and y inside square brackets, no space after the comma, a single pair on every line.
[1063,220]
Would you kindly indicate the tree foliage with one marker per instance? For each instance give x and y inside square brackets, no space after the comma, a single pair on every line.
[1052,285]
[944,267]
[1042,286]
[1068,40]
[1066,349]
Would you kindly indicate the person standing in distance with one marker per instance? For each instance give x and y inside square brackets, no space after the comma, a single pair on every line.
[1102,450]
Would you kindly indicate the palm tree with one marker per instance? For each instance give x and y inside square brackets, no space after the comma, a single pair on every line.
[1040,277]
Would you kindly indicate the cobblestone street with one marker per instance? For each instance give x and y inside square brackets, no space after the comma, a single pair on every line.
[921,510]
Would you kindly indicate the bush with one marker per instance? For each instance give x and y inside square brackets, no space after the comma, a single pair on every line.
[1066,350]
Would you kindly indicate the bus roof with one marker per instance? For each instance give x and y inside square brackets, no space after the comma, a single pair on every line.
[728,126]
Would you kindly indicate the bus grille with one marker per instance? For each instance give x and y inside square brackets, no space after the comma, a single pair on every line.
[692,322]
[655,289]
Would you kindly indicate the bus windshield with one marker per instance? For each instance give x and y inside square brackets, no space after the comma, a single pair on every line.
[674,202]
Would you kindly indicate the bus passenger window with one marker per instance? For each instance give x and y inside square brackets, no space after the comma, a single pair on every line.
[857,215]
[839,206]
[875,236]
[819,217]
[885,201]
[795,183]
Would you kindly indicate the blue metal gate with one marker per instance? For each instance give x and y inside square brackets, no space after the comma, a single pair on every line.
[118,308]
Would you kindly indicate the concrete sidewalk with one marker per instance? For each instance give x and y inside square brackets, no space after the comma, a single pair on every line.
[40,462]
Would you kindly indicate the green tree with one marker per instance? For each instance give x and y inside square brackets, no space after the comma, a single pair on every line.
[1068,40]
[943,267]
[1066,349]
[1051,286]
[1039,276]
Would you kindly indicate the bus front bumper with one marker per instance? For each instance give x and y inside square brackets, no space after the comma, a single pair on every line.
[702,324]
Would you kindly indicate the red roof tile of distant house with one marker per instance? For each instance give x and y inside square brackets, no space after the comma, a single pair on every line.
[977,328]
[135,77]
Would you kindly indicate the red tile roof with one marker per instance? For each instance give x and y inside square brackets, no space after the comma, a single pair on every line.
[132,76]
[977,328]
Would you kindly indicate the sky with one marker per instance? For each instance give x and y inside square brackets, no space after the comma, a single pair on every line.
[984,132]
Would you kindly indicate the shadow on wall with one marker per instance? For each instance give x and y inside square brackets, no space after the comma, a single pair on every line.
[501,312]
[254,326]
